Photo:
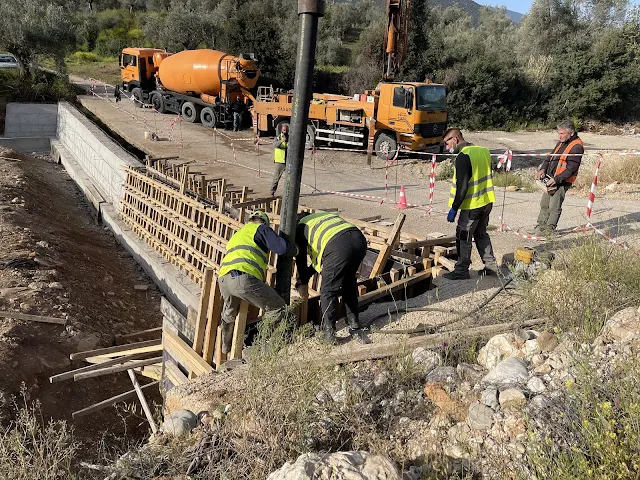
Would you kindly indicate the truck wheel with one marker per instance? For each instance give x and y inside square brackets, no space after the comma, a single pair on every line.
[208,117]
[190,112]
[310,141]
[136,94]
[157,100]
[385,146]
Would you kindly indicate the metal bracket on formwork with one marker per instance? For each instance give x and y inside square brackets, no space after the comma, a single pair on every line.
[315,7]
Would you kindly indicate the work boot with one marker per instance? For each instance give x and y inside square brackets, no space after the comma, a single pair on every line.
[227,336]
[456,276]
[353,322]
[487,272]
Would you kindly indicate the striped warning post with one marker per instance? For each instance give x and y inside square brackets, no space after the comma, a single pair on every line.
[594,186]
[432,183]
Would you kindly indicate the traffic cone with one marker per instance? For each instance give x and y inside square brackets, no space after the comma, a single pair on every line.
[402,201]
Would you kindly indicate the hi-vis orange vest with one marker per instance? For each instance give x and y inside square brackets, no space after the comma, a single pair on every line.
[562,163]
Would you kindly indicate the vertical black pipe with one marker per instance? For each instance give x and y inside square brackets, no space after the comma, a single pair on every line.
[309,11]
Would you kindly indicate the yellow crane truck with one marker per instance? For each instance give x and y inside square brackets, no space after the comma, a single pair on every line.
[398,115]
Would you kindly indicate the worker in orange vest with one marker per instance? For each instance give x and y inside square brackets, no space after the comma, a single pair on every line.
[558,172]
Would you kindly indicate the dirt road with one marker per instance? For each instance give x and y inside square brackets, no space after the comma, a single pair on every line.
[234,156]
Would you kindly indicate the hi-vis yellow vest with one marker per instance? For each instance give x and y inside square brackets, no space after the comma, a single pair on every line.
[244,254]
[280,153]
[322,227]
[480,191]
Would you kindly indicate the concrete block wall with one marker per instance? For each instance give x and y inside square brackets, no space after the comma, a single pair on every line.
[101,158]
[31,120]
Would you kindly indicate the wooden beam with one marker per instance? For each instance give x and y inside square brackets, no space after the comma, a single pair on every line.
[203,310]
[33,318]
[116,368]
[429,242]
[186,355]
[110,401]
[214,316]
[385,250]
[173,373]
[118,350]
[357,353]
[141,333]
[96,366]
[238,331]
[143,401]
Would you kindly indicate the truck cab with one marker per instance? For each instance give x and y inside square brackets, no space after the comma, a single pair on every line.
[411,115]
[138,67]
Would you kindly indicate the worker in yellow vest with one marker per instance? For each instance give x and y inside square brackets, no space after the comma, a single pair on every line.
[336,248]
[243,268]
[472,193]
[280,144]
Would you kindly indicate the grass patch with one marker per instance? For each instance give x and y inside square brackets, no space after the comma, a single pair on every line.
[30,448]
[592,430]
[333,68]
[585,287]
[508,179]
[614,168]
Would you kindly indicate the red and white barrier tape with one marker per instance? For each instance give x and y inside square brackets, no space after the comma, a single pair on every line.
[505,160]
[432,183]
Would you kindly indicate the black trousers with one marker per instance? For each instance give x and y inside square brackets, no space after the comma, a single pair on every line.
[340,262]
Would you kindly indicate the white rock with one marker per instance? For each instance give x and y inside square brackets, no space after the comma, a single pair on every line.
[536,385]
[539,402]
[510,371]
[480,416]
[55,286]
[511,397]
[611,187]
[37,286]
[489,397]
[623,326]
[335,466]
[427,358]
[543,369]
[456,451]
[497,349]
[180,423]
[443,374]
[42,244]
[531,348]
[537,360]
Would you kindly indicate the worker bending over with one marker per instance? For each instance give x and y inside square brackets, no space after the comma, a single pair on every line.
[471,193]
[336,248]
[243,268]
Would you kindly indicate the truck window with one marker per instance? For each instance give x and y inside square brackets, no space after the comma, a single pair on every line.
[150,60]
[129,60]
[403,97]
[432,97]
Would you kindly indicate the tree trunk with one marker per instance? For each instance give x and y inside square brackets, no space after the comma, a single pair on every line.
[61,66]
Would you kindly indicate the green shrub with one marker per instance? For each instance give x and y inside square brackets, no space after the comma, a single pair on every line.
[86,57]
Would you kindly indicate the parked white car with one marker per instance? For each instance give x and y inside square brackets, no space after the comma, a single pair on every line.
[8,61]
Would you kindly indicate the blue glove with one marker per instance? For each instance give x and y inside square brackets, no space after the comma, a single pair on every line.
[451,216]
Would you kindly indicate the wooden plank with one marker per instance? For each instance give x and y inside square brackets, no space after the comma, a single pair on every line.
[385,251]
[203,310]
[33,318]
[141,333]
[371,297]
[118,350]
[116,368]
[191,360]
[447,263]
[143,401]
[107,363]
[175,375]
[238,331]
[220,357]
[429,242]
[110,401]
[214,316]
[357,353]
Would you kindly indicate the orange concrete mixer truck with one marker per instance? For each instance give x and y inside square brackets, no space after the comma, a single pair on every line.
[199,84]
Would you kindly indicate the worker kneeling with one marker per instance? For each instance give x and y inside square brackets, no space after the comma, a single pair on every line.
[336,248]
[243,268]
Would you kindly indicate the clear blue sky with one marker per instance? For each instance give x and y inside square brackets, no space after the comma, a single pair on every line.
[520,6]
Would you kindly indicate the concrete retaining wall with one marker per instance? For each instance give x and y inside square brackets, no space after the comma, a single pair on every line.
[27,144]
[101,158]
[95,162]
[31,120]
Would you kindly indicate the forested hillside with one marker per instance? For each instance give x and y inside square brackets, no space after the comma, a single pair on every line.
[574,58]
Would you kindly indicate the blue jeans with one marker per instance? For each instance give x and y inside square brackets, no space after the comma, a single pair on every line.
[237,121]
